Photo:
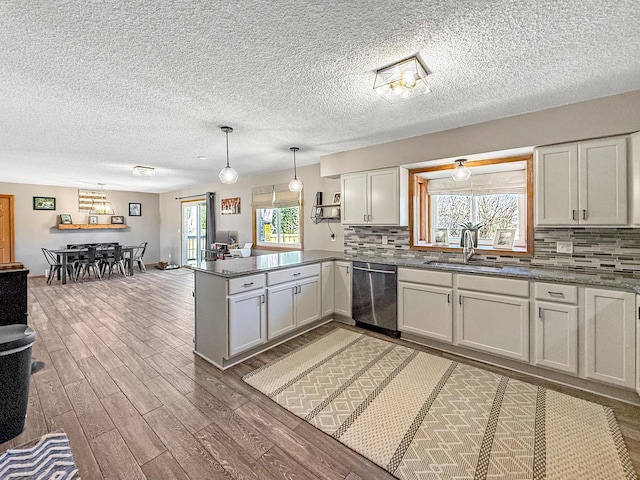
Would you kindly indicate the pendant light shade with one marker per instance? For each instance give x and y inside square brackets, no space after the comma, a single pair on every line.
[228,175]
[295,185]
[460,173]
[101,206]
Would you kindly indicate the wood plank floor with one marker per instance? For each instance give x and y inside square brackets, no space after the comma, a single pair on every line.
[121,380]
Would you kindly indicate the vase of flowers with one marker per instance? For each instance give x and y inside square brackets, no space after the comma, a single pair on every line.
[473,228]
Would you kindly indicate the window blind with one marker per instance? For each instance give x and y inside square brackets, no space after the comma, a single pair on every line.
[484,184]
[274,196]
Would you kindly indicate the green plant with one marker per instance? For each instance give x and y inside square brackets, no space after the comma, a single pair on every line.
[471,226]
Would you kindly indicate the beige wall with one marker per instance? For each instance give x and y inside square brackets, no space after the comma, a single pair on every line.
[315,236]
[596,118]
[34,229]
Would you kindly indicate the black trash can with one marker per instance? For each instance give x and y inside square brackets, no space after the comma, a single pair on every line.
[15,373]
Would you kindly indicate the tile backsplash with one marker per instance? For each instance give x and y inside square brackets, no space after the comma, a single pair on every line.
[614,250]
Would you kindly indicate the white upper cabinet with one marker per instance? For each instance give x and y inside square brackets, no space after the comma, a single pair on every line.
[378,197]
[582,183]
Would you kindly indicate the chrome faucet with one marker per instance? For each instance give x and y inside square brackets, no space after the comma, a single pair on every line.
[467,248]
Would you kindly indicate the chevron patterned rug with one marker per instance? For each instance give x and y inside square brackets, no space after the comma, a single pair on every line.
[420,416]
[49,459]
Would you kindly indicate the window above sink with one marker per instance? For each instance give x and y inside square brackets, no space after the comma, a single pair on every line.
[497,195]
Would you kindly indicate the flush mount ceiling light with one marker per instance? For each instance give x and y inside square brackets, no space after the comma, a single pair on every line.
[295,185]
[460,173]
[227,174]
[144,171]
[100,206]
[403,79]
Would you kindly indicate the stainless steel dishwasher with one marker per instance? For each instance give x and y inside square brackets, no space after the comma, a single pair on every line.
[374,302]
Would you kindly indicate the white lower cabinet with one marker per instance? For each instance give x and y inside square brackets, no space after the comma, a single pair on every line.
[293,303]
[496,324]
[425,303]
[610,336]
[556,336]
[342,288]
[247,321]
[328,273]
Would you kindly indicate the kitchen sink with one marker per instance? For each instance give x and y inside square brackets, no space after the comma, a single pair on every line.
[468,267]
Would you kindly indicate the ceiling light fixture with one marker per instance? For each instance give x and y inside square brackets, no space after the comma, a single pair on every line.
[144,171]
[228,175]
[101,206]
[295,185]
[461,173]
[403,79]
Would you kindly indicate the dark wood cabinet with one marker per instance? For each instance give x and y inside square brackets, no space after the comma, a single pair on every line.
[13,296]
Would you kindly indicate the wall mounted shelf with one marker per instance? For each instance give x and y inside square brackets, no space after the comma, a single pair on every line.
[315,218]
[91,226]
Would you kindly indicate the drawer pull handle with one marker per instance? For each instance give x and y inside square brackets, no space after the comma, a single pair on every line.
[556,294]
[297,274]
[245,285]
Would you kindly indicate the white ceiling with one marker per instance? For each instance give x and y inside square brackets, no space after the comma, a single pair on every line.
[90,89]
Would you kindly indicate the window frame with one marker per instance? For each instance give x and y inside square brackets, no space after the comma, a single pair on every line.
[420,208]
[279,247]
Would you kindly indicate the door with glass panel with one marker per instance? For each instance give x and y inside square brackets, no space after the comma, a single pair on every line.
[194,231]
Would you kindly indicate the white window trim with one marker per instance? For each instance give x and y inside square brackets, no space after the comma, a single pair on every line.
[280,244]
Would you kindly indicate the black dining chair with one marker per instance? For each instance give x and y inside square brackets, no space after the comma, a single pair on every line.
[88,263]
[55,265]
[116,260]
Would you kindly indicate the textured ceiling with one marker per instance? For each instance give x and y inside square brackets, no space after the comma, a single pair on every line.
[90,89]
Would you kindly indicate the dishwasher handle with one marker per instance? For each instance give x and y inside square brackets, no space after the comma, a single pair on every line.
[374,270]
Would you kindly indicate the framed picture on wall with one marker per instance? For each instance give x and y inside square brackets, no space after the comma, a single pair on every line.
[135,209]
[230,206]
[44,203]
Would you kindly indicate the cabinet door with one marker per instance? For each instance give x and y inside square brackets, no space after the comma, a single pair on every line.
[603,181]
[280,310]
[308,300]
[327,275]
[247,321]
[610,336]
[355,199]
[384,197]
[342,289]
[556,185]
[425,310]
[494,323]
[556,337]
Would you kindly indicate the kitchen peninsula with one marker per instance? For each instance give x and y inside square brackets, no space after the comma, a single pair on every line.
[570,327]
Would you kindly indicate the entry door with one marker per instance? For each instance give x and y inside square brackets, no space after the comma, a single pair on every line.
[194,231]
[7,255]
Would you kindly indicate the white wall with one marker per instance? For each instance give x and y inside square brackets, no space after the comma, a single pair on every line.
[34,229]
[602,117]
[316,237]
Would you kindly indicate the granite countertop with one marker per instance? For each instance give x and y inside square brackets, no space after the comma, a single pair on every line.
[250,265]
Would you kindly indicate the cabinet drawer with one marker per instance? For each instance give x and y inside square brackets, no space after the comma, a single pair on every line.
[244,284]
[555,292]
[501,286]
[291,274]
[441,279]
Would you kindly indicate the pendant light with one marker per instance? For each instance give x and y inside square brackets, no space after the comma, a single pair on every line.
[101,206]
[460,173]
[295,185]
[227,174]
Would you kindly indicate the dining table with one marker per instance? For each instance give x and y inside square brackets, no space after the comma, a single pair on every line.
[63,255]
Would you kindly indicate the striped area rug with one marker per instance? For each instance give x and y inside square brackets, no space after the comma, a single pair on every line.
[49,459]
[420,416]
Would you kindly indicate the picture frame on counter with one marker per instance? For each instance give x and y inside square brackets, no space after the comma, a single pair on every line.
[441,237]
[504,238]
[44,203]
[117,220]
